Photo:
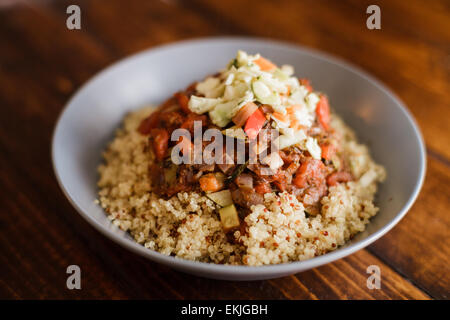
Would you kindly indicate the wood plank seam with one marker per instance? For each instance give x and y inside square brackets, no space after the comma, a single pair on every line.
[438,156]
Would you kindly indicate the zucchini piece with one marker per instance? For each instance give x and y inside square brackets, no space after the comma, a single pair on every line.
[222,198]
[229,218]
[235,132]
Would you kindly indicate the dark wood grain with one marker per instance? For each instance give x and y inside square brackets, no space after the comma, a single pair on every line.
[42,63]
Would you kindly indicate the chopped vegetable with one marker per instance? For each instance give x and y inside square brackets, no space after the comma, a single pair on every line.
[229,218]
[286,140]
[221,114]
[222,198]
[244,113]
[264,64]
[160,142]
[208,87]
[188,124]
[328,151]
[244,181]
[170,174]
[273,160]
[149,123]
[311,172]
[313,148]
[238,171]
[306,84]
[263,187]
[323,112]
[254,124]
[235,132]
[183,102]
[212,182]
[263,93]
[201,105]
[338,177]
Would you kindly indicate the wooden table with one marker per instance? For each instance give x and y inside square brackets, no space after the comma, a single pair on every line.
[42,63]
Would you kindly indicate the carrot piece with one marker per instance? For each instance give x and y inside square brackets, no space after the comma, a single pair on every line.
[328,150]
[281,117]
[254,124]
[264,64]
[323,112]
[211,183]
[183,102]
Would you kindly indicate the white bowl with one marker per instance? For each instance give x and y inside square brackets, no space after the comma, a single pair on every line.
[97,109]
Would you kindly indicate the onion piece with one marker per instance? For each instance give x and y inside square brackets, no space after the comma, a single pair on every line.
[244,180]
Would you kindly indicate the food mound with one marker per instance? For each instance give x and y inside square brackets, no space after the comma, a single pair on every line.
[288,182]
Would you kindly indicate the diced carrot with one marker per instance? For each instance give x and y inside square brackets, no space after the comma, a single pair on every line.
[328,150]
[160,142]
[149,123]
[323,112]
[296,125]
[281,117]
[183,102]
[264,64]
[338,177]
[254,124]
[211,183]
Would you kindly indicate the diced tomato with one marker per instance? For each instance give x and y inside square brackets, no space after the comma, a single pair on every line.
[263,187]
[338,177]
[183,102]
[306,83]
[264,64]
[323,112]
[328,151]
[210,182]
[311,172]
[149,123]
[160,142]
[254,124]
